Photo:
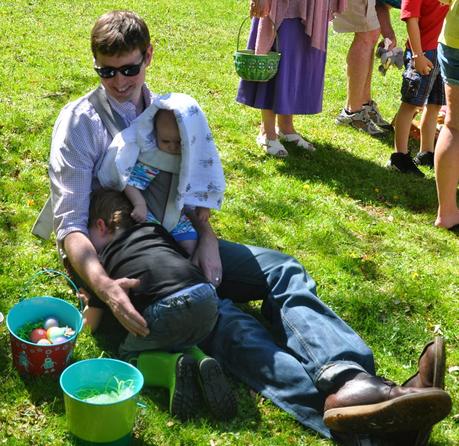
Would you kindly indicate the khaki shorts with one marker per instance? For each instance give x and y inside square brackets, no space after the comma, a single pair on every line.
[359,16]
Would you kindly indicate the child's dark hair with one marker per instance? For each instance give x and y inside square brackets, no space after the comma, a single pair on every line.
[112,207]
[119,32]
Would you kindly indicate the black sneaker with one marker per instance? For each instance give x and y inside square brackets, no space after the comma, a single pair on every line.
[403,163]
[424,159]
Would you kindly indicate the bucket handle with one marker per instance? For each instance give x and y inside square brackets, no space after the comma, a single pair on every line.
[53,273]
[276,39]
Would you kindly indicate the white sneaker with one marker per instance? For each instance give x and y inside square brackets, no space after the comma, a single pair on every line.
[359,120]
[375,116]
[296,139]
[272,146]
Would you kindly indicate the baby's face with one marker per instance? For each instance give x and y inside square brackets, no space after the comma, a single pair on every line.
[168,136]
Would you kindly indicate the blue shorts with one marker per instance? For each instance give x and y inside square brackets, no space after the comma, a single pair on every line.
[420,90]
[448,59]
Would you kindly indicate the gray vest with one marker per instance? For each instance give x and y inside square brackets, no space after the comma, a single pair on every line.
[160,198]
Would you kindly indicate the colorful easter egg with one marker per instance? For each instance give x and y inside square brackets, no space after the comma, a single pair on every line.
[37,334]
[50,322]
[54,332]
[43,341]
[59,339]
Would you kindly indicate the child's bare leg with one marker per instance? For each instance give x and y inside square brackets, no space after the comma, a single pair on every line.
[402,126]
[92,317]
[429,127]
[188,245]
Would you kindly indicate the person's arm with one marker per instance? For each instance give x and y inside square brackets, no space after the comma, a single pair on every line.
[202,214]
[139,211]
[206,255]
[421,63]
[78,141]
[387,31]
[83,258]
[259,8]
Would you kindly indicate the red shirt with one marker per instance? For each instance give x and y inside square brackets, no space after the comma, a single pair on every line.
[431,14]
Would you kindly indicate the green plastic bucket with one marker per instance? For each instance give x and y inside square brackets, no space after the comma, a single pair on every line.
[100,423]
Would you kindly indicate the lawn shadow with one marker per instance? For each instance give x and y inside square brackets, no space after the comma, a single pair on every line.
[361,179]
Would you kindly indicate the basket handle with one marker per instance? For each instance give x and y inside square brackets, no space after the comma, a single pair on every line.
[276,38]
[53,273]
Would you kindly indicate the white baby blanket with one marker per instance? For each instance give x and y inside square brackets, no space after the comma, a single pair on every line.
[201,179]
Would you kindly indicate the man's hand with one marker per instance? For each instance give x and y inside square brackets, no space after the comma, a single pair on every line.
[117,299]
[259,8]
[387,31]
[83,258]
[207,257]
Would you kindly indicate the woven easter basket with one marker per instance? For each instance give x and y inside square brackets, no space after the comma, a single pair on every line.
[255,67]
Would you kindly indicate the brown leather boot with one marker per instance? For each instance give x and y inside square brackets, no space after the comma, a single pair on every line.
[370,404]
[431,373]
[431,366]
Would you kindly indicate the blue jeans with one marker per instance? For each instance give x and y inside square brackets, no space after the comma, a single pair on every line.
[176,322]
[306,346]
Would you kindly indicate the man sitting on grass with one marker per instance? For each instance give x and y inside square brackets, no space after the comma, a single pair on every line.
[309,362]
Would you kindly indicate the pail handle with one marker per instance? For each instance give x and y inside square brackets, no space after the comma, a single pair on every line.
[53,273]
[276,39]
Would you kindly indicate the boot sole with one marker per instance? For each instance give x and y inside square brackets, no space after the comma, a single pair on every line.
[185,401]
[405,413]
[217,392]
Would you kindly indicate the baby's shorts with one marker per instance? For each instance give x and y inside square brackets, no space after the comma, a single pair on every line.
[359,16]
[448,58]
[420,90]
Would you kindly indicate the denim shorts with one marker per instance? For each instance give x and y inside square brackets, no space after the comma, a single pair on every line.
[448,59]
[176,322]
[418,89]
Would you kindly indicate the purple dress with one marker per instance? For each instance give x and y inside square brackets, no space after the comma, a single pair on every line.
[297,88]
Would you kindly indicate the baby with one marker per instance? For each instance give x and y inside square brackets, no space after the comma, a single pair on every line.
[170,138]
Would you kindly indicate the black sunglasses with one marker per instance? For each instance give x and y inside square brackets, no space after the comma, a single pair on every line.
[126,70]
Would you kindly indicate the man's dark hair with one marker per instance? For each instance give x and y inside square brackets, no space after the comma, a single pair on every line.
[112,207]
[119,32]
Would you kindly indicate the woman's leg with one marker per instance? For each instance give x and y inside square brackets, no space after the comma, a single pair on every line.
[285,124]
[267,137]
[268,124]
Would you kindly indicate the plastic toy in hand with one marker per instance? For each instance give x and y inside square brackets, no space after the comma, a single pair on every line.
[388,56]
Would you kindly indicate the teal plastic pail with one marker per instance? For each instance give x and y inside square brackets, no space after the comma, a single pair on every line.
[100,423]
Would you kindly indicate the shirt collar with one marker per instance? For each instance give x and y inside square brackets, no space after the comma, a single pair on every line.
[127,110]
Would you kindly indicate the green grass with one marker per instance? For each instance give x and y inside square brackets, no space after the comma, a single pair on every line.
[364,233]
